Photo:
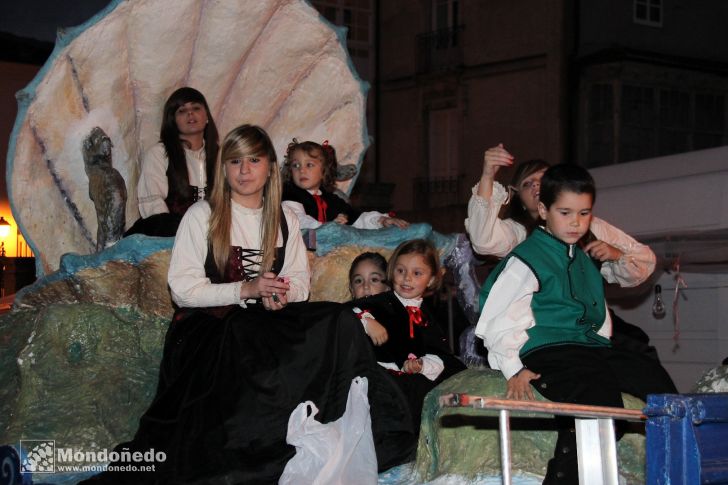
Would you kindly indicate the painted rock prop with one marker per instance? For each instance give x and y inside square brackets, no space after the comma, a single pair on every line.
[715,380]
[80,374]
[81,348]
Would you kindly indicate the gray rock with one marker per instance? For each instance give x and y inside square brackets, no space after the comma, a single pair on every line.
[81,374]
[715,380]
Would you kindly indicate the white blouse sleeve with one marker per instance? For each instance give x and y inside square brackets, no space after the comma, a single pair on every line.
[636,264]
[489,234]
[369,220]
[432,366]
[507,315]
[153,185]
[188,283]
[295,266]
[305,221]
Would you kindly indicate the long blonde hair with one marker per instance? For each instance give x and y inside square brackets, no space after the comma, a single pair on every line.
[245,141]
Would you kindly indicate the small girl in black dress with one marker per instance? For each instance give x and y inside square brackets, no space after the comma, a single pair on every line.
[413,347]
[310,181]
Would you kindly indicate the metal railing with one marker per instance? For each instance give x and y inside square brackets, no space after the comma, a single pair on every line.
[595,438]
[432,192]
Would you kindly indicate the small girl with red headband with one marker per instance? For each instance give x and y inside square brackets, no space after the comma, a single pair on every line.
[309,190]
[413,348]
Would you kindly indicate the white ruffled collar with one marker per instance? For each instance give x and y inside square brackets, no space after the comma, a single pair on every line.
[409,301]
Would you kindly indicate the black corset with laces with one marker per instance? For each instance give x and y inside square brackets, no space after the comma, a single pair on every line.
[243,264]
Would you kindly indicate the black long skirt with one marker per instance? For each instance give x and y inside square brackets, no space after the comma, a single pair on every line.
[416,386]
[228,386]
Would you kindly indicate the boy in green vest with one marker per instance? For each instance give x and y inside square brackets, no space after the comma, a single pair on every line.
[545,323]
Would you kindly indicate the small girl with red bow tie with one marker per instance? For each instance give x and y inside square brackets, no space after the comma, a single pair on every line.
[309,190]
[413,348]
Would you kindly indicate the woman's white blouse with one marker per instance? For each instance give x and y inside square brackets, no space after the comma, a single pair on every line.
[189,285]
[153,186]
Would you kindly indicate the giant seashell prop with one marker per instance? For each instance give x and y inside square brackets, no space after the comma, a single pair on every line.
[275,63]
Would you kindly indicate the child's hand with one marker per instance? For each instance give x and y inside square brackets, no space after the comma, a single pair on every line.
[387,221]
[519,386]
[494,159]
[602,251]
[377,332]
[341,219]
[412,366]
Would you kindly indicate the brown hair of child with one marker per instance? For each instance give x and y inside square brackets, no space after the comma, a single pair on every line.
[428,252]
[325,153]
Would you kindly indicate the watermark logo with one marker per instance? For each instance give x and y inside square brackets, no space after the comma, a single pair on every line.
[42,456]
[38,456]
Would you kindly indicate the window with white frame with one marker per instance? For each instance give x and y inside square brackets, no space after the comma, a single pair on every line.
[444,14]
[627,122]
[637,123]
[600,126]
[675,122]
[648,12]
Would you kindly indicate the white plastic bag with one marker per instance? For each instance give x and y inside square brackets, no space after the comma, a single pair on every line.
[336,453]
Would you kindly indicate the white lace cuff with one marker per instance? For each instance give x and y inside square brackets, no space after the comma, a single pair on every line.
[499,197]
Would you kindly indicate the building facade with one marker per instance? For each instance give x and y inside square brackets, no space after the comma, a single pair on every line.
[596,83]
[457,77]
[653,79]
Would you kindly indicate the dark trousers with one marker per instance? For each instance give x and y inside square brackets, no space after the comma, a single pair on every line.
[590,375]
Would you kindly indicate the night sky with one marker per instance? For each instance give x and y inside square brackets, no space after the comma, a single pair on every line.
[39,19]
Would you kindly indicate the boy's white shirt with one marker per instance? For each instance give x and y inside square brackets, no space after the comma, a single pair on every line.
[507,315]
[367,220]
[432,365]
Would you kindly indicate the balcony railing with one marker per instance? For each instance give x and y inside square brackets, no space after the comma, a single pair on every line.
[437,191]
[439,50]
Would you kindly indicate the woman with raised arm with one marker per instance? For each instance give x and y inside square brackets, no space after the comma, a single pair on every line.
[624,260]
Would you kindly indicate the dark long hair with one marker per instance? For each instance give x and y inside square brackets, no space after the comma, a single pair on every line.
[377,260]
[516,209]
[179,180]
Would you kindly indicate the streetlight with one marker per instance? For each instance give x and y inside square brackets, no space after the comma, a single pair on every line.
[4,231]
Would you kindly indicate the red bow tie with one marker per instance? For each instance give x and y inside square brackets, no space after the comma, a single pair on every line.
[415,318]
[321,205]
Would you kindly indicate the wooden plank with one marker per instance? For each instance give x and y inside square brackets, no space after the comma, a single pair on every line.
[545,407]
